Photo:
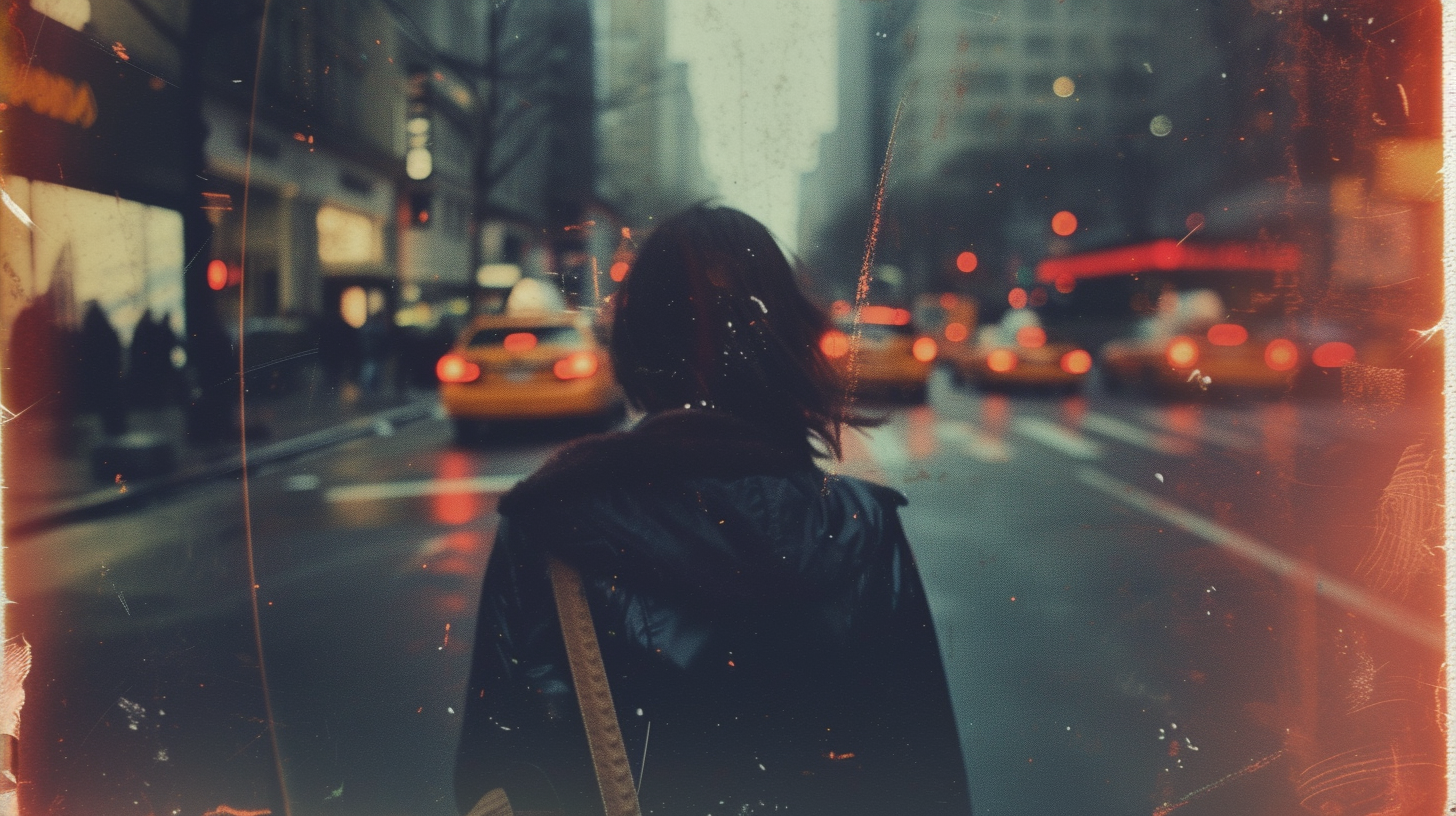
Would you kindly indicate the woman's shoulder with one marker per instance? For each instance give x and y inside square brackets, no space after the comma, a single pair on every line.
[670,448]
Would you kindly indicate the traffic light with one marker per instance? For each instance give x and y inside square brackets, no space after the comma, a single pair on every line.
[420,201]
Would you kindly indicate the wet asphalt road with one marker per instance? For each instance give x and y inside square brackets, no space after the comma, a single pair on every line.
[1143,607]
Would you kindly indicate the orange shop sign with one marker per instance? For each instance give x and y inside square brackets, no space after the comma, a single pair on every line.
[47,93]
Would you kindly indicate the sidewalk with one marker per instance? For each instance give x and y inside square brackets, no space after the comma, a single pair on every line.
[49,479]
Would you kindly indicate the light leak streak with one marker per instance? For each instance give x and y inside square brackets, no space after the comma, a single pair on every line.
[1448,230]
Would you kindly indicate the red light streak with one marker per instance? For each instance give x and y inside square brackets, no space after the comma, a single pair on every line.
[1168,255]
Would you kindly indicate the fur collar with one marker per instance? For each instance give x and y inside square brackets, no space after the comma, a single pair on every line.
[670,446]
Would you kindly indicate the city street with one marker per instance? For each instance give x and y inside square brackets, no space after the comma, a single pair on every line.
[1142,606]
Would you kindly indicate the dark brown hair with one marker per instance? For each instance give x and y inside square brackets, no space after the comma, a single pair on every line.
[710,317]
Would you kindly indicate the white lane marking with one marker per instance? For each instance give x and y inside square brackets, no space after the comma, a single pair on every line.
[1056,437]
[974,442]
[421,487]
[1133,435]
[301,482]
[1205,432]
[1283,566]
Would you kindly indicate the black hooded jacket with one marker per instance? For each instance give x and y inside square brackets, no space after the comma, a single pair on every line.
[764,631]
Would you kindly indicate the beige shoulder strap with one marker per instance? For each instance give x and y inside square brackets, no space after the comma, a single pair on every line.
[603,734]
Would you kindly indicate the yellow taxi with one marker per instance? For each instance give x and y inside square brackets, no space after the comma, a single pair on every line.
[527,366]
[892,357]
[1192,346]
[951,319]
[1017,352]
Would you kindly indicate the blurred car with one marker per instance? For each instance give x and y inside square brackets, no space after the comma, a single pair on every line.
[893,357]
[1018,352]
[1193,345]
[527,366]
[951,319]
[1331,344]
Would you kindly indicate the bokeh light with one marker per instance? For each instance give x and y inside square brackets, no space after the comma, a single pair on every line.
[1064,223]
[1064,87]
[354,306]
[1001,361]
[1076,361]
[966,261]
[956,332]
[1031,337]
[217,275]
[1281,355]
[1161,125]
[1017,298]
[834,344]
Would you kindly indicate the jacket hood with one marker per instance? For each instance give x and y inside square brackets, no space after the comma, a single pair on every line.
[703,506]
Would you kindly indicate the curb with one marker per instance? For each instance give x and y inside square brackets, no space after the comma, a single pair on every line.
[106,501]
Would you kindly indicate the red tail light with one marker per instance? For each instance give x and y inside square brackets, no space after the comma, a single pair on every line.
[453,368]
[834,344]
[1001,361]
[1333,355]
[578,366]
[1031,337]
[1280,355]
[1182,352]
[1227,334]
[884,316]
[1077,362]
[924,350]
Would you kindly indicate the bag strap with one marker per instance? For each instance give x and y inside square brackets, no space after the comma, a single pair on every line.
[603,734]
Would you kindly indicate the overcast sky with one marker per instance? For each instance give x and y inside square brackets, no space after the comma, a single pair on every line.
[762,75]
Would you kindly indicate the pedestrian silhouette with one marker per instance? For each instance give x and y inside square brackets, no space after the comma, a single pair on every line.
[99,369]
[214,365]
[37,355]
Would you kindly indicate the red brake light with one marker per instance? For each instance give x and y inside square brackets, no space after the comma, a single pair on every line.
[834,344]
[1333,355]
[1227,334]
[1031,337]
[1280,355]
[1182,352]
[1077,362]
[578,366]
[517,342]
[924,349]
[884,316]
[453,368]
[1001,360]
